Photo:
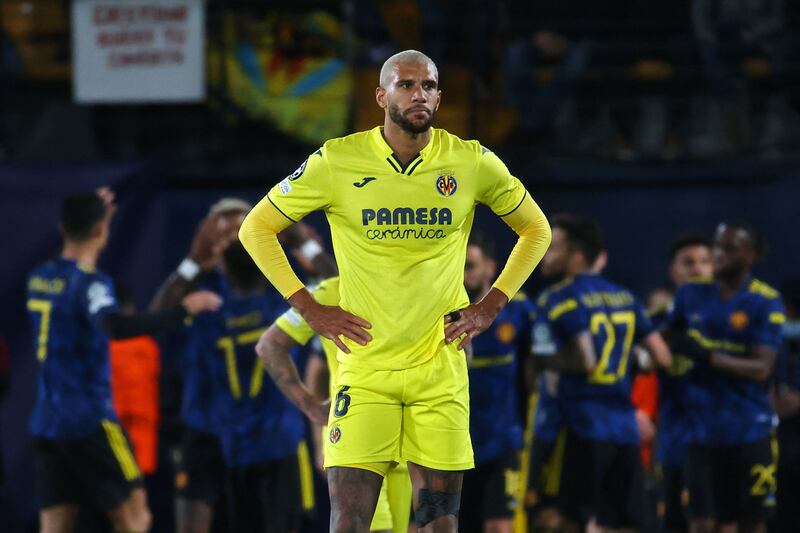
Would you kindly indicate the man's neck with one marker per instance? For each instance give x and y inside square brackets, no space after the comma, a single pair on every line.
[577,271]
[405,145]
[83,253]
[730,284]
[243,289]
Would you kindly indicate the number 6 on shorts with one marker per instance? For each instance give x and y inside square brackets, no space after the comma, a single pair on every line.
[342,402]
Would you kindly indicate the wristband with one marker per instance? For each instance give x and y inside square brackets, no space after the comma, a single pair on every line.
[188,269]
[310,249]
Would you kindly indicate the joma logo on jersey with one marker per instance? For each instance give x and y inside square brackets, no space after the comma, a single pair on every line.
[406,215]
[446,185]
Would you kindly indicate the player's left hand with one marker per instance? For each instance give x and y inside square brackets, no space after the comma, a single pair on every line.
[474,319]
[468,322]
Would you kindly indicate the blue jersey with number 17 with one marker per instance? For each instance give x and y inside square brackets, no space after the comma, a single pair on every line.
[253,419]
[598,405]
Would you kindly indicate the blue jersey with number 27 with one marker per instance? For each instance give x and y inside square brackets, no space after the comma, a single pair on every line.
[598,405]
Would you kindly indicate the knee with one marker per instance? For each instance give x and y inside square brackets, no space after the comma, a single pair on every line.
[144,520]
[136,520]
[346,522]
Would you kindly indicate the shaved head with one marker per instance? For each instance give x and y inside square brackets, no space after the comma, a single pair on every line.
[406,56]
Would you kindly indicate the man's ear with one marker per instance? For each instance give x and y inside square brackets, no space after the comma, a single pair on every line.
[380,97]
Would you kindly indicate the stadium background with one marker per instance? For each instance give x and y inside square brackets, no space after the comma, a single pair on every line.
[621,120]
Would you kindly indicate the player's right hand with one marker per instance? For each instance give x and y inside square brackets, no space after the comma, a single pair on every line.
[108,197]
[199,301]
[332,321]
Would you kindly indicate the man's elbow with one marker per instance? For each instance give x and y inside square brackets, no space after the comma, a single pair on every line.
[589,363]
[246,232]
[271,344]
[763,373]
[264,346]
[547,234]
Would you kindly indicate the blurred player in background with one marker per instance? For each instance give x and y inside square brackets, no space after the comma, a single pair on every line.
[732,327]
[290,330]
[200,468]
[400,201]
[587,327]
[491,491]
[80,452]
[690,259]
[259,430]
[200,476]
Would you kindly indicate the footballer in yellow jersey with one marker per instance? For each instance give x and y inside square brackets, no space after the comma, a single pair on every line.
[400,202]
[394,501]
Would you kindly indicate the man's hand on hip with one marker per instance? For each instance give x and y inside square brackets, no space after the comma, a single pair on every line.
[474,319]
[331,321]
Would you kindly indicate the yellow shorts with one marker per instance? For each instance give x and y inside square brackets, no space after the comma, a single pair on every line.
[419,414]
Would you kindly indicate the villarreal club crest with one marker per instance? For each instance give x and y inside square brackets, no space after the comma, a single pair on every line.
[335,434]
[446,184]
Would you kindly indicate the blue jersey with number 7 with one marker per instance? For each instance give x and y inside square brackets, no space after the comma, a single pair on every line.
[596,405]
[66,303]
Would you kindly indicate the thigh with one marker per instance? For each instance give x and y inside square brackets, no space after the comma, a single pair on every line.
[500,497]
[673,487]
[699,479]
[436,413]
[365,421]
[60,518]
[289,479]
[200,468]
[579,482]
[105,465]
[56,484]
[353,495]
[755,483]
[620,500]
[473,487]
[788,492]
[541,452]
[132,514]
[267,496]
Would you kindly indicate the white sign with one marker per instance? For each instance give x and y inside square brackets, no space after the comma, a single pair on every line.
[138,51]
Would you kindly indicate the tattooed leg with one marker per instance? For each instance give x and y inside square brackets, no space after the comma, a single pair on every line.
[437,498]
[354,495]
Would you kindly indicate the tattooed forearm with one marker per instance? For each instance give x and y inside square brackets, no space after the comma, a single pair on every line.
[277,361]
